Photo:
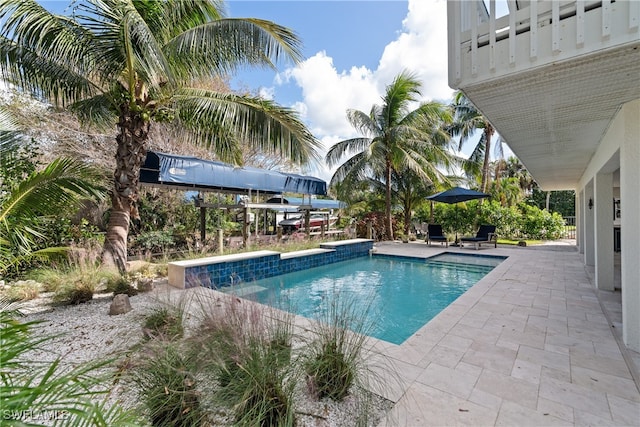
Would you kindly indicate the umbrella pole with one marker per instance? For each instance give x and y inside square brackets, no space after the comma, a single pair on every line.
[456,242]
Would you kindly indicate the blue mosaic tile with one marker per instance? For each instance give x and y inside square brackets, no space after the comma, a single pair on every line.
[220,274]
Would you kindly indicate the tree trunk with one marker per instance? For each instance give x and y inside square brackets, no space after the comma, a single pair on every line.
[133,131]
[487,154]
[548,198]
[388,224]
[407,218]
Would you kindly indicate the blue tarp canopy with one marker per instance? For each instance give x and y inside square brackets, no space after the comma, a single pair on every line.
[162,169]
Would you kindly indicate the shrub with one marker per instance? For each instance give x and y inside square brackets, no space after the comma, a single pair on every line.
[377,220]
[334,361]
[74,293]
[121,285]
[23,290]
[153,241]
[250,352]
[516,222]
[164,323]
[168,389]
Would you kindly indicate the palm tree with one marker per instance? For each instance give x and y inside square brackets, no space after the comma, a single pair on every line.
[467,120]
[62,184]
[131,63]
[395,138]
[27,195]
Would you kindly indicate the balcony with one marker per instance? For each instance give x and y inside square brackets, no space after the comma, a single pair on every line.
[549,75]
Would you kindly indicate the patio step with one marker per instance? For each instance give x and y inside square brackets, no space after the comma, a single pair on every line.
[474,268]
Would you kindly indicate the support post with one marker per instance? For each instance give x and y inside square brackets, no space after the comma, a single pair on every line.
[220,241]
[203,224]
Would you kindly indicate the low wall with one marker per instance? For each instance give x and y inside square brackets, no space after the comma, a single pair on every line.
[225,270]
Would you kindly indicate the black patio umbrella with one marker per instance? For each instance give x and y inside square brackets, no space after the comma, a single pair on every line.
[457,195]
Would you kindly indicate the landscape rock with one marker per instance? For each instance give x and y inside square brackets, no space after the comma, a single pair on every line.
[120,305]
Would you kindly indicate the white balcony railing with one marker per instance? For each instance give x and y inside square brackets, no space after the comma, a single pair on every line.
[533,33]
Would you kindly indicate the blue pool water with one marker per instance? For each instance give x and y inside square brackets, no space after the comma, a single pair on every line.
[400,294]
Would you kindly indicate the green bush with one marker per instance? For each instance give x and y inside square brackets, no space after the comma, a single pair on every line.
[249,352]
[333,361]
[167,382]
[121,285]
[74,293]
[153,241]
[164,323]
[516,222]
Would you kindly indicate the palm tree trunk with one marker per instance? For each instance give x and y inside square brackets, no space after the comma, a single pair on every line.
[133,131]
[388,225]
[407,218]
[487,154]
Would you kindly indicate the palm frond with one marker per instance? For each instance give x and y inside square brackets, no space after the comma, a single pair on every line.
[342,148]
[9,132]
[363,123]
[213,117]
[198,52]
[97,110]
[49,56]
[61,185]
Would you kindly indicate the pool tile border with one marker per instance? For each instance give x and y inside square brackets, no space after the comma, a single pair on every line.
[226,270]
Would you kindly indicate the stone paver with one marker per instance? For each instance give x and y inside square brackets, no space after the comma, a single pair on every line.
[528,345]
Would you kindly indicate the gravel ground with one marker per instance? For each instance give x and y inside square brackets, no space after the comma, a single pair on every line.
[87,332]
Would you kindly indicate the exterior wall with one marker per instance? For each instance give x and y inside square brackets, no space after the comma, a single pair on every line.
[630,224]
[619,148]
[487,54]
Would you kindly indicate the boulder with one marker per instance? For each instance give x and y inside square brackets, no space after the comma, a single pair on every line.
[120,305]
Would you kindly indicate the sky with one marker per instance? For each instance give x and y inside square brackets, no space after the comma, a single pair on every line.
[353,49]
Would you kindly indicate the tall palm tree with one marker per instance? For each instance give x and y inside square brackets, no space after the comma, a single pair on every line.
[130,63]
[395,137]
[467,120]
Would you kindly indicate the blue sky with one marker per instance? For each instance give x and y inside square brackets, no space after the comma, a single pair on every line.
[352,50]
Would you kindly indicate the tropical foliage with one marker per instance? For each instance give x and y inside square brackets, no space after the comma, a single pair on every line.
[397,142]
[517,221]
[132,63]
[33,393]
[29,196]
[467,120]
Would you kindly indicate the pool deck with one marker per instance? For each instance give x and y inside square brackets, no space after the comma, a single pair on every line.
[533,343]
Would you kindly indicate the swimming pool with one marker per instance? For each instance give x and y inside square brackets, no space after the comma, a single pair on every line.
[401,294]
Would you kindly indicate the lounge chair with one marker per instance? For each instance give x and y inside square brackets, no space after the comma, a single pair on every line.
[486,234]
[434,233]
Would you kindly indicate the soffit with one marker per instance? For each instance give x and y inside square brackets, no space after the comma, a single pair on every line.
[554,117]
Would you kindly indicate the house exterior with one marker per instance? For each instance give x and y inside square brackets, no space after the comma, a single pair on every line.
[560,82]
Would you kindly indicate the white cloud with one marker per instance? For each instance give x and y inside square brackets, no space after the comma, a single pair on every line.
[327,93]
[421,48]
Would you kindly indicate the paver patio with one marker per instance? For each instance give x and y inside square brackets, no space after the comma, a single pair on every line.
[532,343]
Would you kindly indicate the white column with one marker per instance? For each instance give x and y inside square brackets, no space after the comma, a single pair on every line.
[579,204]
[630,226]
[588,236]
[603,210]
